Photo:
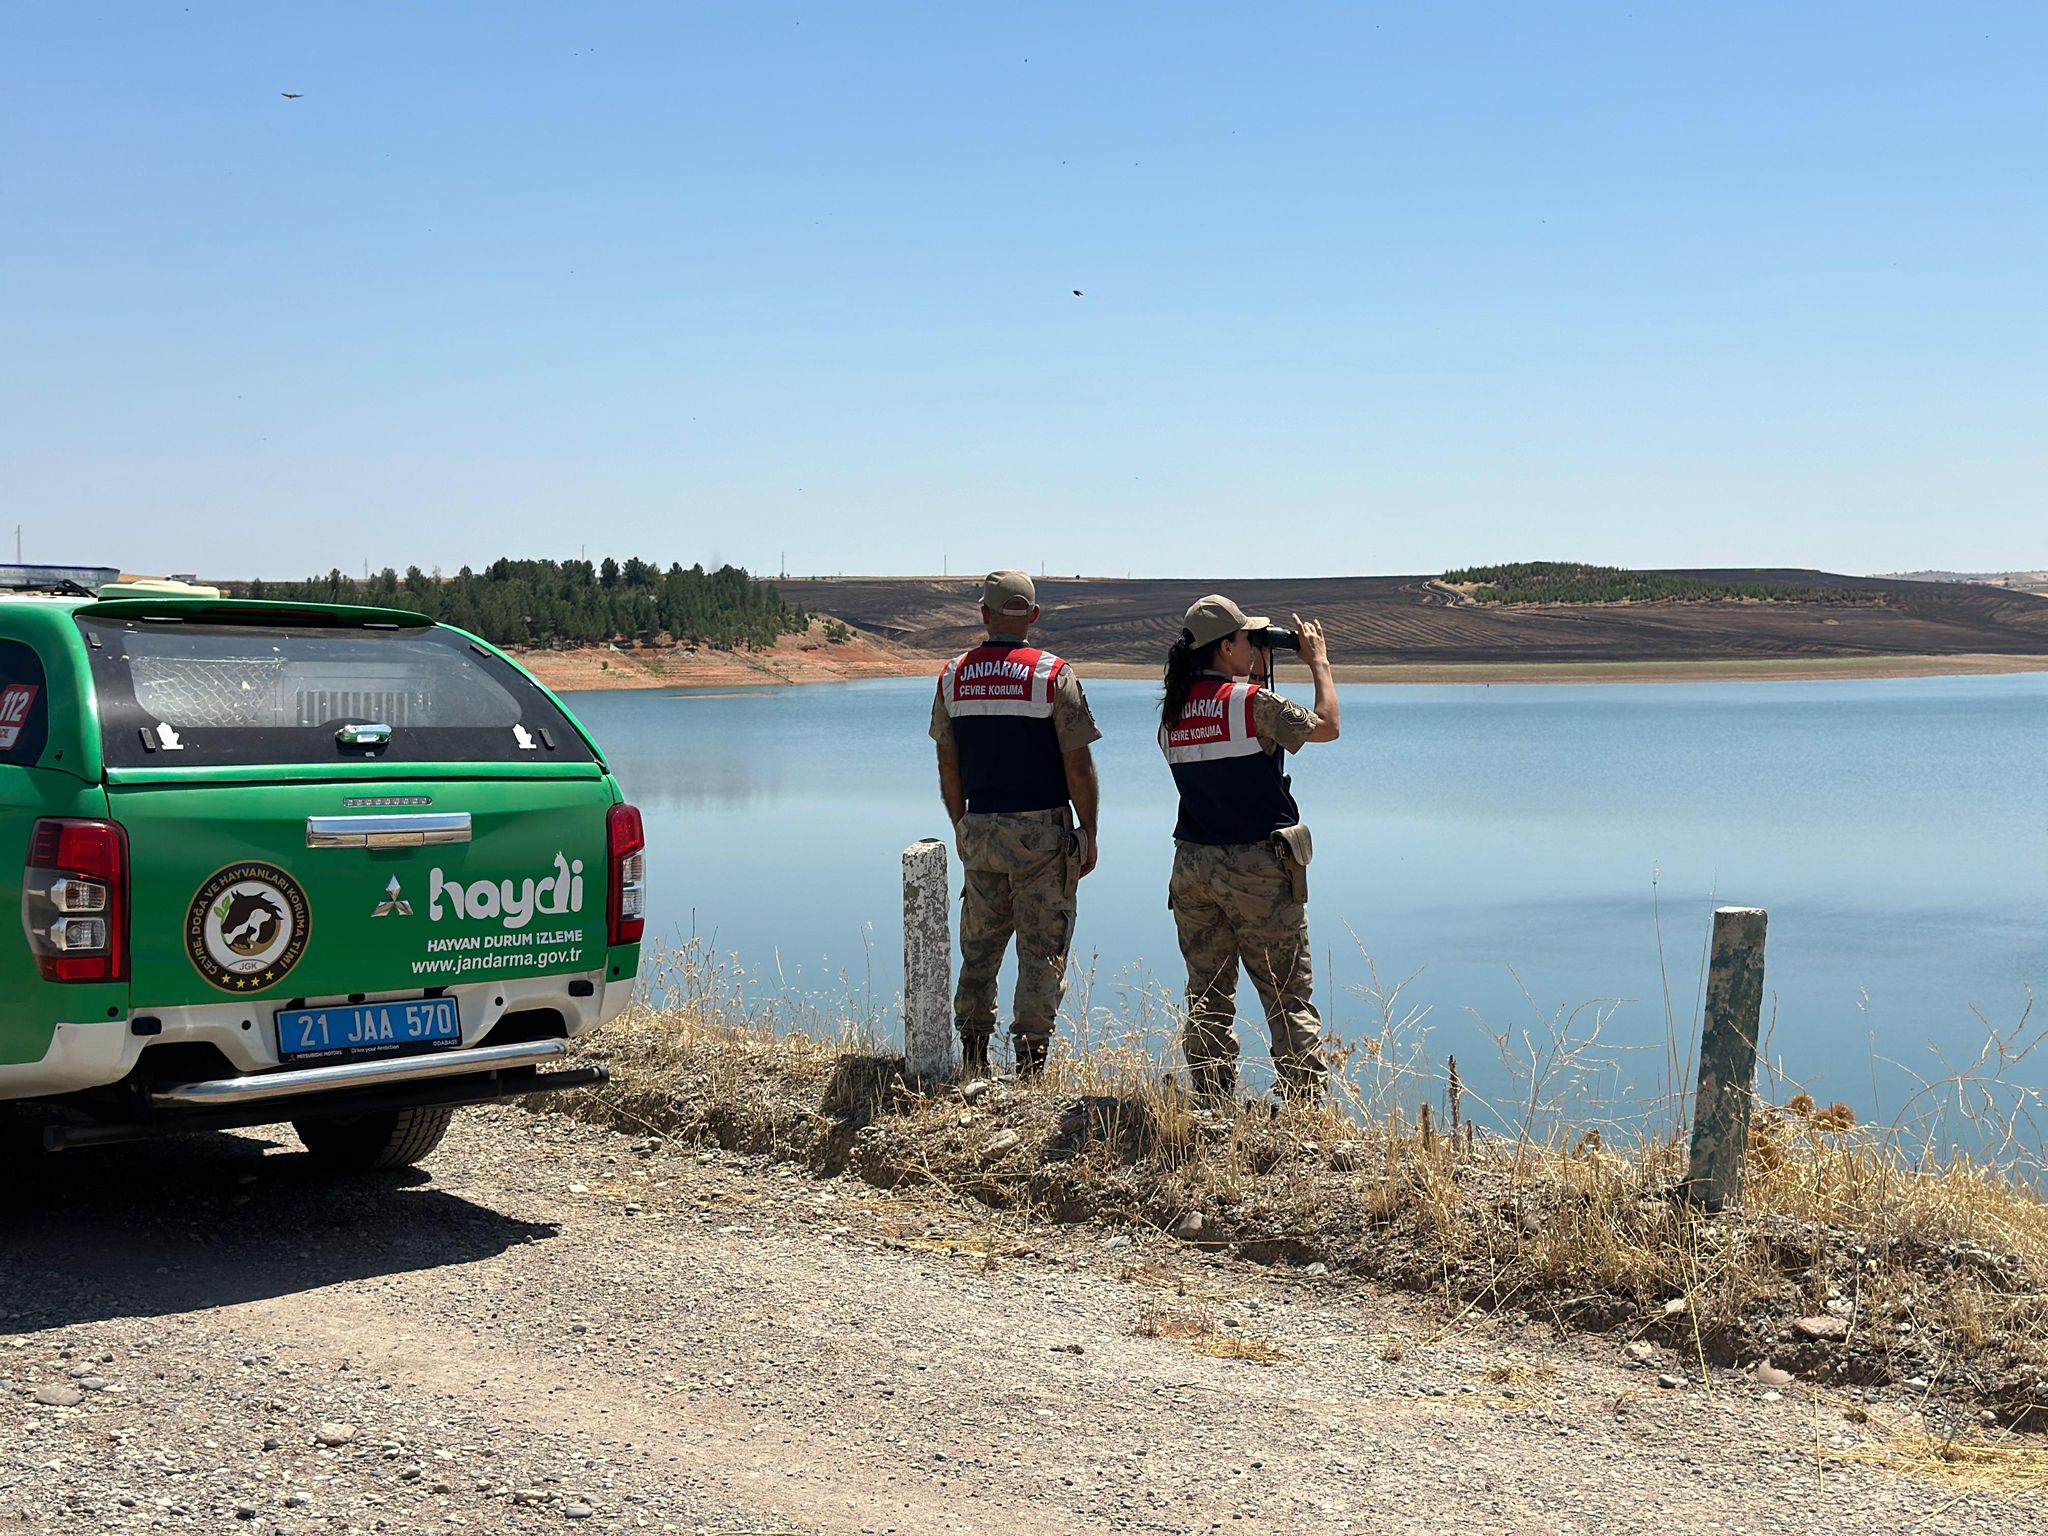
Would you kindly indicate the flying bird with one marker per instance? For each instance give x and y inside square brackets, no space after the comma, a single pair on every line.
[291,95]
[1077,293]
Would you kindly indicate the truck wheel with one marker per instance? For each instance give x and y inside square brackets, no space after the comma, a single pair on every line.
[395,1138]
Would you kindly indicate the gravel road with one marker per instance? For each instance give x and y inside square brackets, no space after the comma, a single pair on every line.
[558,1324]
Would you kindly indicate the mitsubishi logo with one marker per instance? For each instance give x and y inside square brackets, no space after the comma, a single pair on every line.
[394,903]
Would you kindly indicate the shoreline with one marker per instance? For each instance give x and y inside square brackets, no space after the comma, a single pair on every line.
[595,668]
[1772,669]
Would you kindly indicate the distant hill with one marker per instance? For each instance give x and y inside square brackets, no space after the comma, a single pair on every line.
[2018,581]
[1418,619]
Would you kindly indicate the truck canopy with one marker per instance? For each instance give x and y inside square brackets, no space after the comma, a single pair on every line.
[191,684]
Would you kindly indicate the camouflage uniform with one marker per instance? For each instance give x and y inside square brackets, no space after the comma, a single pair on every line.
[1021,872]
[1248,903]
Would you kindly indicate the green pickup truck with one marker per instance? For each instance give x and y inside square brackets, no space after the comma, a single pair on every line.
[338,866]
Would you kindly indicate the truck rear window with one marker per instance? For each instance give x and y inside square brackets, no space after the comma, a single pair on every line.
[178,694]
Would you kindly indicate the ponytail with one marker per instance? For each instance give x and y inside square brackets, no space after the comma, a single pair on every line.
[1184,663]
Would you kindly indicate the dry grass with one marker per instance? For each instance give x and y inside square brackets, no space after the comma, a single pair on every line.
[2008,1467]
[1207,1335]
[1938,1267]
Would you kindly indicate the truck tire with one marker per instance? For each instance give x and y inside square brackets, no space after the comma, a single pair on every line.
[395,1138]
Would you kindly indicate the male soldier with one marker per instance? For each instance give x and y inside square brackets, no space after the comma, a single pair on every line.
[1013,731]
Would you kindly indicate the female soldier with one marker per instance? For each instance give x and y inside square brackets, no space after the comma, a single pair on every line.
[1240,855]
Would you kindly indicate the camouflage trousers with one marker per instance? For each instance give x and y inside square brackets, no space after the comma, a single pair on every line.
[1240,904]
[1021,875]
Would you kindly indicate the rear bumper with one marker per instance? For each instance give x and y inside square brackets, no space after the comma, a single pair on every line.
[224,1093]
[484,1083]
[101,1052]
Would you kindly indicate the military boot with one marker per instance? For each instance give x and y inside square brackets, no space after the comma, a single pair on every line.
[1031,1054]
[1214,1084]
[973,1055]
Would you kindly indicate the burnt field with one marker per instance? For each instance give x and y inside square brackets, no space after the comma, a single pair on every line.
[1410,619]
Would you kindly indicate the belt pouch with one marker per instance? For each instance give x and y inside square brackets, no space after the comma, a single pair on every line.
[1296,849]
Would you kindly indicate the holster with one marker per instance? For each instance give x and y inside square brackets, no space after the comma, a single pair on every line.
[1296,849]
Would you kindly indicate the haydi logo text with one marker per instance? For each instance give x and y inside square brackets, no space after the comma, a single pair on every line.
[513,902]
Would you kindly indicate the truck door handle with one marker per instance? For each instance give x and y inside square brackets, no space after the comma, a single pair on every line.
[387,831]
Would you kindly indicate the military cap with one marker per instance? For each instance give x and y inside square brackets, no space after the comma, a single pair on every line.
[1216,617]
[1008,592]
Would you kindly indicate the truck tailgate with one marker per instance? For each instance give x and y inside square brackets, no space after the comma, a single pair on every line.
[329,889]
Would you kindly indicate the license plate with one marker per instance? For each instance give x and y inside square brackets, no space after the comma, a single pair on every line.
[411,1024]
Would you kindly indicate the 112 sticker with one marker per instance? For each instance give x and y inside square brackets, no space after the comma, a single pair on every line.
[16,699]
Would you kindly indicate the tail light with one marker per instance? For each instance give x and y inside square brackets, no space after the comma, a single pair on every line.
[627,909]
[74,900]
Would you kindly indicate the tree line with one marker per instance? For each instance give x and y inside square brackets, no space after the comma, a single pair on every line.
[1559,581]
[570,602]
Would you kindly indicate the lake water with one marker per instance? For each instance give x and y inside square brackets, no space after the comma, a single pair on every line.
[1511,849]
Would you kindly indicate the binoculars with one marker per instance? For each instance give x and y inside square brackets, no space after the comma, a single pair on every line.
[1274,638]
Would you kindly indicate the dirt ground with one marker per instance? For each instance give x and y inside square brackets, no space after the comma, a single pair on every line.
[811,659]
[567,671]
[806,658]
[556,1324]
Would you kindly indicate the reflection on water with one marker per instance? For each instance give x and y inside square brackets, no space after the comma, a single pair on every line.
[1513,849]
[719,767]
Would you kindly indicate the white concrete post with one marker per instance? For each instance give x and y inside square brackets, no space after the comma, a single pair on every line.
[927,965]
[1728,1039]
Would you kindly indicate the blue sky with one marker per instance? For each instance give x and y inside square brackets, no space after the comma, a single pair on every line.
[1364,288]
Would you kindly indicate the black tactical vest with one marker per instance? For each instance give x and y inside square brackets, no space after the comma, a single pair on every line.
[1231,787]
[999,698]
